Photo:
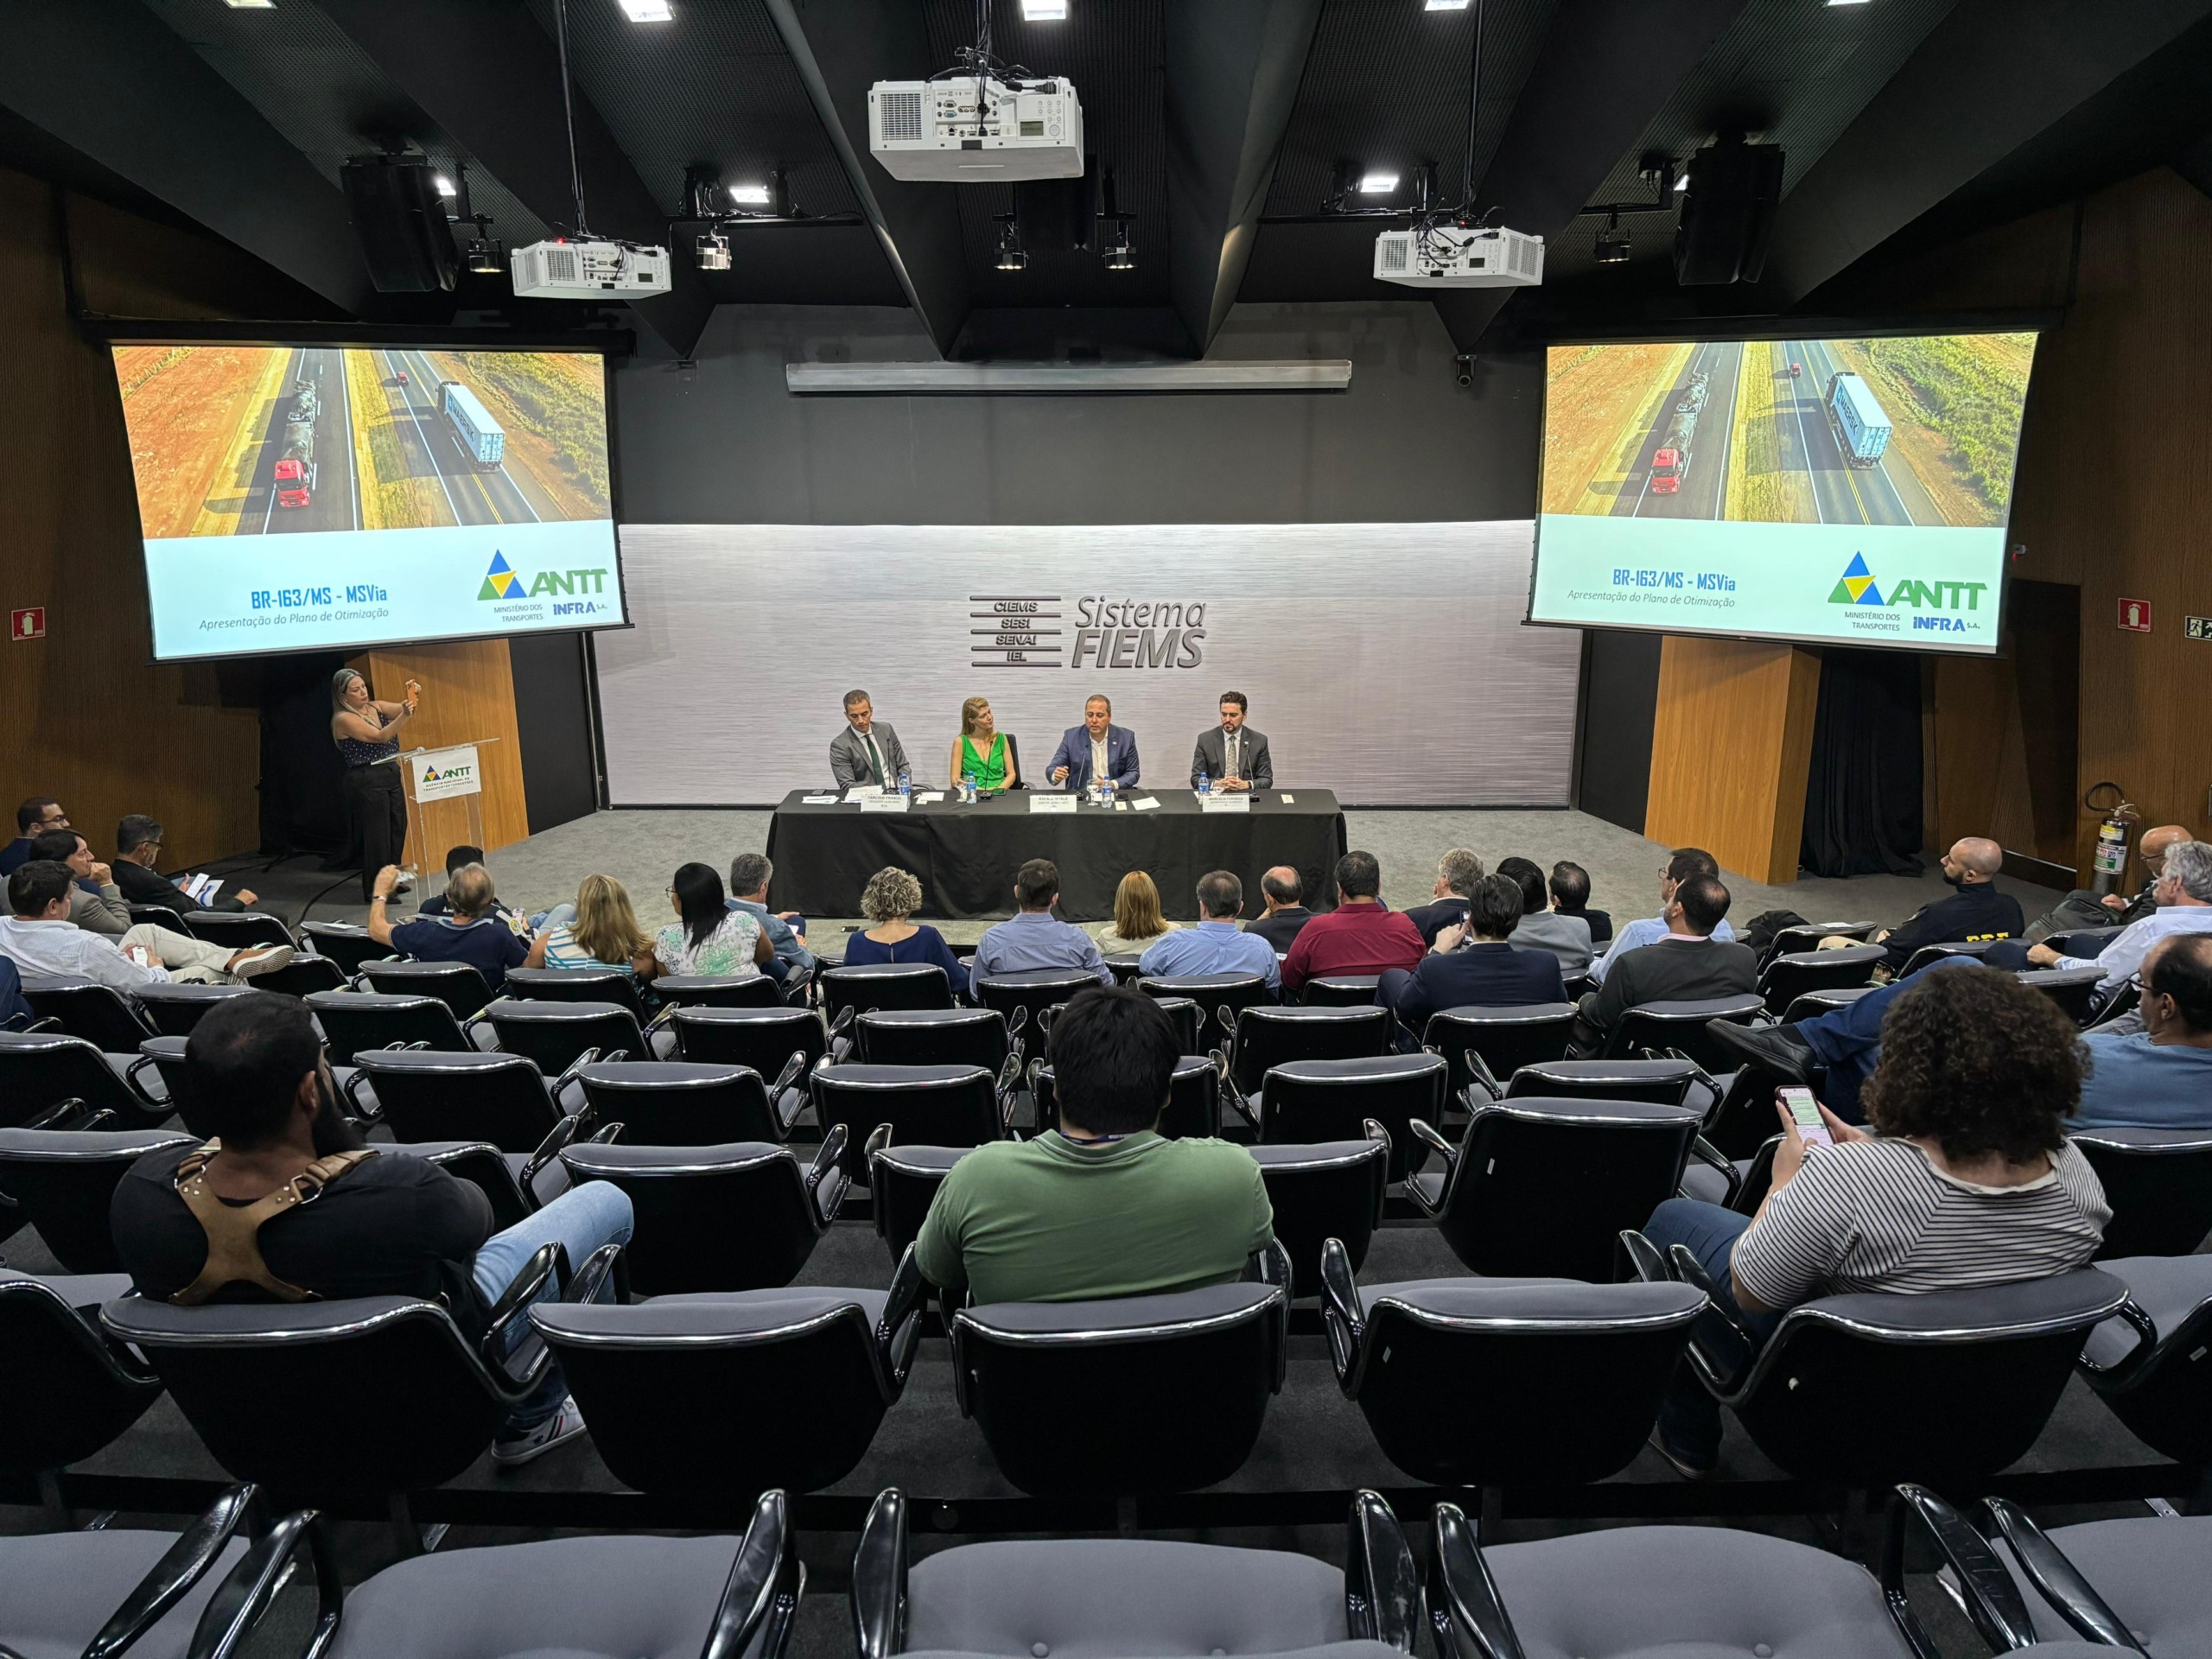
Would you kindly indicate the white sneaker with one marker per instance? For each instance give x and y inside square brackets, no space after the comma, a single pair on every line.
[262,959]
[511,1452]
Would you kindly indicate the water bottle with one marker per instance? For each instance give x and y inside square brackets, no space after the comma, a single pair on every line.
[967,788]
[1205,784]
[1106,793]
[905,784]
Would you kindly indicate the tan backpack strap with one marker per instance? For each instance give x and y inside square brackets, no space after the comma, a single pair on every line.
[233,1232]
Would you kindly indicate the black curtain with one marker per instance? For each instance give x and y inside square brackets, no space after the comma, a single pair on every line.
[303,802]
[1862,799]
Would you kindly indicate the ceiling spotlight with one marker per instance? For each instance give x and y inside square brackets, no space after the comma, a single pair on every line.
[444,184]
[485,257]
[250,5]
[1378,184]
[712,251]
[1444,5]
[1115,252]
[1012,255]
[1612,243]
[1681,184]
[750,195]
[1044,11]
[646,11]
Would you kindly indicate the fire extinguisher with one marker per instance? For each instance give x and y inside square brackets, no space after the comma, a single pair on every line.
[2108,867]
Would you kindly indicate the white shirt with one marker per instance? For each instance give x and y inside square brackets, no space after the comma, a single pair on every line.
[1098,773]
[2124,956]
[873,753]
[54,948]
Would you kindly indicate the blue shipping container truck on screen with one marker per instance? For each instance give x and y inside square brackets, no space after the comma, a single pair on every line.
[480,434]
[1862,430]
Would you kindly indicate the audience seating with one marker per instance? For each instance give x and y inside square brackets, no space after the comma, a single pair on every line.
[1092,1596]
[1679,1027]
[1221,998]
[1544,1188]
[901,1182]
[933,1037]
[99,1013]
[2083,942]
[175,1008]
[354,1022]
[2075,989]
[931,1105]
[1662,1081]
[744,1215]
[48,1080]
[1331,1100]
[235,930]
[508,1180]
[689,1103]
[1806,935]
[1266,1037]
[66,1392]
[166,916]
[2158,1183]
[1488,1382]
[1189,1021]
[1813,1004]
[561,1034]
[106,1590]
[882,985]
[1027,999]
[62,1181]
[303,975]
[738,1391]
[1194,1098]
[2151,1365]
[347,944]
[457,984]
[617,985]
[1340,991]
[1038,1378]
[1783,979]
[718,991]
[424,1096]
[1503,1039]
[766,1040]
[1928,955]
[1325,1191]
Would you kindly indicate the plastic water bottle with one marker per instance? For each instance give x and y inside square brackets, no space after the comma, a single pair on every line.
[967,788]
[1205,784]
[1106,793]
[905,784]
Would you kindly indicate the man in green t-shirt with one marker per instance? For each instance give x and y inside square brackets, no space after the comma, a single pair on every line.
[1103,1205]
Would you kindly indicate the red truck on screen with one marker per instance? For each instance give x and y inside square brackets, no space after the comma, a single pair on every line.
[1666,472]
[294,479]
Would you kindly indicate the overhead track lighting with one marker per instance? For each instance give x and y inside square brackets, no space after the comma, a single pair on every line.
[1377,184]
[750,195]
[1445,5]
[1612,243]
[1044,11]
[646,12]
[1116,252]
[250,5]
[1012,255]
[712,251]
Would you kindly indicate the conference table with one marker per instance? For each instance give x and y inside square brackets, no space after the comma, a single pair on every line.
[966,855]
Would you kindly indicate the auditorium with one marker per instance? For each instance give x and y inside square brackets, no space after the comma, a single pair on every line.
[1105,829]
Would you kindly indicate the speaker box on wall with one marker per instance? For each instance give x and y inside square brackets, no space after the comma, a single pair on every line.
[1727,213]
[401,221]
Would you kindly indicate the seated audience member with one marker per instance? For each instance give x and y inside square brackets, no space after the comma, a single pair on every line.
[1570,890]
[1967,1180]
[138,850]
[1541,928]
[469,930]
[1682,863]
[383,1223]
[33,818]
[599,930]
[709,936]
[2081,908]
[1976,911]
[1846,1043]
[982,751]
[1103,1205]
[2159,1077]
[1138,921]
[2184,892]
[1473,966]
[1360,936]
[39,939]
[749,875]
[1457,872]
[96,903]
[1217,945]
[437,904]
[1690,963]
[892,895]
[1282,915]
[1032,936]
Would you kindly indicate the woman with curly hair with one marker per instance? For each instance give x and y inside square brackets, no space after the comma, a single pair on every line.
[891,896]
[1962,1178]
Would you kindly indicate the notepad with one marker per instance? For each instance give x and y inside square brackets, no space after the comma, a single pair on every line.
[1144,805]
[819,800]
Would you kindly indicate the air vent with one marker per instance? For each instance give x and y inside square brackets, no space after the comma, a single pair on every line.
[561,265]
[901,114]
[1395,253]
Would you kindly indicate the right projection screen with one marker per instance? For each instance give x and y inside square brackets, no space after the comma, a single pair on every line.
[1849,491]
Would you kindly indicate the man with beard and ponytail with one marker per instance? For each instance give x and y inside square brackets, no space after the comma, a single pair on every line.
[230,1220]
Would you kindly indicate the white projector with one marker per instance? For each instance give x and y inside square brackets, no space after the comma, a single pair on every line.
[586,270]
[928,131]
[1449,255]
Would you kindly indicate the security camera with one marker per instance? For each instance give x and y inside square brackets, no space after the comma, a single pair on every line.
[1465,365]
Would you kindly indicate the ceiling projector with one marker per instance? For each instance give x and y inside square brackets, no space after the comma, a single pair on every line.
[1456,256]
[588,269]
[932,132]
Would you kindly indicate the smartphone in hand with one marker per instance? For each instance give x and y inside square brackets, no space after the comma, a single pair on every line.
[1805,1113]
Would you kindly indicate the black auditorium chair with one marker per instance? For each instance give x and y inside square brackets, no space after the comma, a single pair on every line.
[1540,1187]
[882,985]
[106,1590]
[1983,1367]
[928,1105]
[1785,978]
[2158,1183]
[1503,1039]
[1135,1595]
[1220,997]
[1679,1027]
[617,985]
[1813,1004]
[457,984]
[236,930]
[1492,1382]
[1188,1019]
[1325,1189]
[902,1180]
[1806,935]
[1928,955]
[2084,942]
[303,975]
[1340,991]
[719,990]
[177,1006]
[1660,1082]
[48,1080]
[99,1013]
[347,944]
[1333,1100]
[1194,1098]
[66,1391]
[353,1022]
[933,1037]
[784,1045]
[1268,1037]
[509,1180]
[2075,989]
[421,1095]
[623,1594]
[687,1102]
[1024,1371]
[559,1035]
[166,916]
[790,1385]
[1025,998]
[62,1181]
[1128,970]
[164,1057]
[2153,1367]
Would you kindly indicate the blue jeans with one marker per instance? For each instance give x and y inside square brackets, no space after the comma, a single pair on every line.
[1849,1041]
[582,1220]
[1689,1418]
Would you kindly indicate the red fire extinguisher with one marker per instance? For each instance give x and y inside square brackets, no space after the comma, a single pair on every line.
[2108,867]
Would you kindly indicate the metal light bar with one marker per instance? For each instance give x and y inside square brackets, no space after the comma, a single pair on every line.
[1066,379]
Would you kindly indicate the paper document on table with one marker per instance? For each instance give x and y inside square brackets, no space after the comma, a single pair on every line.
[1145,805]
[1290,800]
[861,791]
[820,800]
[923,797]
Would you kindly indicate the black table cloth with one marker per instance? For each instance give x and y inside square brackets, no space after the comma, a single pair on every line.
[966,856]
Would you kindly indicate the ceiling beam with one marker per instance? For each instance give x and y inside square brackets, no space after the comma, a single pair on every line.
[490,76]
[110,81]
[1231,72]
[1606,68]
[1988,78]
[841,48]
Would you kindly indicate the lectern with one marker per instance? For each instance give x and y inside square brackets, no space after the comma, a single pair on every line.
[445,803]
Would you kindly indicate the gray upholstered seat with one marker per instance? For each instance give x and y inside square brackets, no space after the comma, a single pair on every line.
[57,1590]
[85,1292]
[2152,1571]
[1131,1314]
[702,1317]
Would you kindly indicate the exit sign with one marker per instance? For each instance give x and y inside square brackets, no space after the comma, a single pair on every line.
[27,624]
[2135,615]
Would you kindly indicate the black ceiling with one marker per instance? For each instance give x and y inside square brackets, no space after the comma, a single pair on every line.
[1224,127]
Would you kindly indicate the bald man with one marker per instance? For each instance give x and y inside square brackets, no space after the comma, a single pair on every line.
[1976,911]
[2082,908]
[1283,888]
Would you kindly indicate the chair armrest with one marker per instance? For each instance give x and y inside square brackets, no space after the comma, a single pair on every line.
[548,1150]
[1342,1321]
[827,1182]
[666,1016]
[549,1265]
[843,1022]
[243,1597]
[589,1056]
[1478,1071]
[468,1029]
[182,1565]
[879,1578]
[598,1266]
[1435,1141]
[760,1598]
[1643,1257]
[1008,1086]
[786,1080]
[899,1331]
[2116,1375]
[2056,1578]
[49,1023]
[153,1101]
[1720,1351]
[1700,1077]
[1230,1092]
[1704,1152]
[1381,1583]
[1467,1619]
[58,1115]
[1271,1266]
[352,1089]
[1992,1601]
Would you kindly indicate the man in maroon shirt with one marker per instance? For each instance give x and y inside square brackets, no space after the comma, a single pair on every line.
[1358,936]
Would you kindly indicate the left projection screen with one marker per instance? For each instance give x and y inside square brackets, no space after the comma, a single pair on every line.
[297,497]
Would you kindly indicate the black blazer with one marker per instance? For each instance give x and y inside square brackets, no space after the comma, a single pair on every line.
[141,887]
[1279,929]
[1670,970]
[1476,976]
[1437,915]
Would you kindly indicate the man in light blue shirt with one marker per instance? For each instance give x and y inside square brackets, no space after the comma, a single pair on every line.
[749,875]
[1217,945]
[2183,895]
[2159,1077]
[1035,937]
[1683,863]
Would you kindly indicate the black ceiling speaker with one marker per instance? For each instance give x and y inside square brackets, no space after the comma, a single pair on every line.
[400,219]
[1727,212]
[1058,214]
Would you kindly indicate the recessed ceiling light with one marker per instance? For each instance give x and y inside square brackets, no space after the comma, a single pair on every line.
[1847,3]
[1378,184]
[1681,184]
[646,11]
[1044,11]
[1444,5]
[445,185]
[750,195]
[250,5]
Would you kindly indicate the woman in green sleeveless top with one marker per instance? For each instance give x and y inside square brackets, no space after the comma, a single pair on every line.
[980,748]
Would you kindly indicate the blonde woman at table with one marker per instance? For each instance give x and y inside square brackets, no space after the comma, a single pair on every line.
[982,749]
[1137,918]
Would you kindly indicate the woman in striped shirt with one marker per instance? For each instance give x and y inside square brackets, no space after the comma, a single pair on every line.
[599,931]
[1966,1179]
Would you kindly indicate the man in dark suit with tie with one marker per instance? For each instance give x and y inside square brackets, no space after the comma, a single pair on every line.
[1483,972]
[1232,754]
[1687,965]
[1095,750]
[867,751]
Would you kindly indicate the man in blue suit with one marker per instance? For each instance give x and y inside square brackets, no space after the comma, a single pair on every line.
[1095,750]
[1486,972]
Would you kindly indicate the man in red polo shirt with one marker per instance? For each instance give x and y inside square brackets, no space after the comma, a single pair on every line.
[1359,936]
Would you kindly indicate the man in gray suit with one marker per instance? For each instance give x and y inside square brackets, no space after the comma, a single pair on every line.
[1232,754]
[867,751]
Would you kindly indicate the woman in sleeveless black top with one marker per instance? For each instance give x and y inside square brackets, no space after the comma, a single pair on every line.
[367,736]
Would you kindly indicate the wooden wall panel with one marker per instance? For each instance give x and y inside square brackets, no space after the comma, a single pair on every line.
[468,696]
[1731,747]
